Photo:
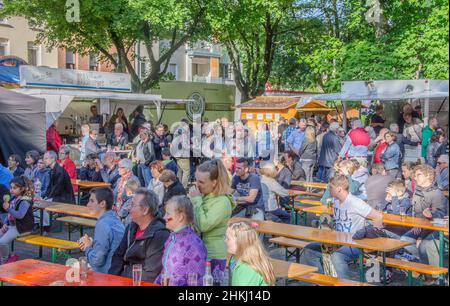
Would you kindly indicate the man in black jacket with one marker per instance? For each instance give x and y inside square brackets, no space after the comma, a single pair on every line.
[143,241]
[329,152]
[60,188]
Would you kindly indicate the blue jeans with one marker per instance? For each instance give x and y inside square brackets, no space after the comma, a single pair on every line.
[144,174]
[323,174]
[312,256]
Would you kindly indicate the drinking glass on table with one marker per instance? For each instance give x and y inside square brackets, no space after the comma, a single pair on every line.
[137,274]
[165,279]
[402,211]
[192,279]
[83,266]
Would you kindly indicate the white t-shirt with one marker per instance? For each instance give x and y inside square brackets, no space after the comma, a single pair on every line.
[351,215]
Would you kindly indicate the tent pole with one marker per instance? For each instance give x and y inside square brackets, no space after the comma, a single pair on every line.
[344,115]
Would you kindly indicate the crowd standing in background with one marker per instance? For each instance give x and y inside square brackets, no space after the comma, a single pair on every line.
[169,209]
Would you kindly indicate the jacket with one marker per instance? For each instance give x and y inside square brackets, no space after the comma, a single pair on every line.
[173,190]
[270,190]
[118,142]
[60,188]
[413,130]
[135,124]
[108,234]
[356,144]
[44,178]
[5,176]
[330,149]
[297,171]
[284,177]
[427,132]
[184,253]
[89,174]
[391,157]
[402,141]
[430,197]
[148,151]
[110,175]
[442,179]
[92,147]
[22,213]
[432,157]
[157,141]
[308,150]
[54,141]
[71,169]
[157,187]
[393,207]
[146,250]
[376,188]
[211,215]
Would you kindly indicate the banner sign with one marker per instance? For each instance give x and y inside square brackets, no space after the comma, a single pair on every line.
[31,76]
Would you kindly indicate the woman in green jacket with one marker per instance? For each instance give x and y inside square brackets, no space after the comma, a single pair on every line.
[212,209]
[249,263]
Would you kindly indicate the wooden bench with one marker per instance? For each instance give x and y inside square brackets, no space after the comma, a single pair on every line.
[290,243]
[58,246]
[411,267]
[78,222]
[325,280]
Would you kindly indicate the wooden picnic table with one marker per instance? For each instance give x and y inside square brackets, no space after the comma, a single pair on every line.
[286,269]
[71,210]
[391,219]
[383,245]
[31,272]
[309,184]
[89,184]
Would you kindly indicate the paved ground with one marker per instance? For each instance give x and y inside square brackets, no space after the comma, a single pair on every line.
[30,251]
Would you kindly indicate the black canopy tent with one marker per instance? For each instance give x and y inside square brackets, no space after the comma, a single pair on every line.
[22,124]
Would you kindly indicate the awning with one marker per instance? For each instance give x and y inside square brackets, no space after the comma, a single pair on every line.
[59,99]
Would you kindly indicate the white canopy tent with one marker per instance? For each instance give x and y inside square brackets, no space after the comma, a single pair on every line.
[58,100]
[387,90]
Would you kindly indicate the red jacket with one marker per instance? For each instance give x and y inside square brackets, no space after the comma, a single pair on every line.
[54,141]
[71,169]
[378,150]
[359,137]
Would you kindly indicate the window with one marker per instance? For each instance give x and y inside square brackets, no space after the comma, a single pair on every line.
[93,62]
[225,71]
[70,59]
[4,47]
[32,54]
[172,69]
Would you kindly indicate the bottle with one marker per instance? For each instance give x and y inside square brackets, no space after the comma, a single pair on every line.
[207,278]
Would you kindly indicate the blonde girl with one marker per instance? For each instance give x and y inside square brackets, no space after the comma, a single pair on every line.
[249,263]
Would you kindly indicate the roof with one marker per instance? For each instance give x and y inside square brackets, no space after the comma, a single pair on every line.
[269,102]
[313,106]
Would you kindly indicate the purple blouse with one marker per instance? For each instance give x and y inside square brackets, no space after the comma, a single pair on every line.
[184,253]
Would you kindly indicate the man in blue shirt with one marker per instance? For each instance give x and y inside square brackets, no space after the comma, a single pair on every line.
[246,187]
[295,139]
[5,176]
[108,232]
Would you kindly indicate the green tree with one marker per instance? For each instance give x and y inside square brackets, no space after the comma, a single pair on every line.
[112,28]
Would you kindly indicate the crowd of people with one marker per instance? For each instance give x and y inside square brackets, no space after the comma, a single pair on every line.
[170,212]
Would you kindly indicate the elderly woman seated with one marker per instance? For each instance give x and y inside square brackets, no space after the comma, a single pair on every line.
[126,173]
[143,241]
[184,251]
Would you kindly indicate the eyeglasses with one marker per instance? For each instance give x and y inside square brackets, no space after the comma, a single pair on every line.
[440,163]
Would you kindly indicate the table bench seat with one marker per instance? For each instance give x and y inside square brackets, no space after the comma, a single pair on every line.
[289,243]
[325,280]
[58,246]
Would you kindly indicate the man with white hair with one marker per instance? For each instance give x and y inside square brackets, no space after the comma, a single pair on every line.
[401,139]
[356,144]
[119,138]
[442,172]
[329,152]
